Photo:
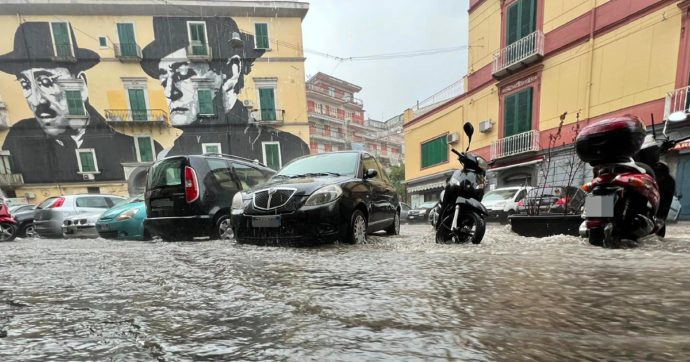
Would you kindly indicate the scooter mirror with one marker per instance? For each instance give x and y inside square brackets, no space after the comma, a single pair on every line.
[469,131]
[678,116]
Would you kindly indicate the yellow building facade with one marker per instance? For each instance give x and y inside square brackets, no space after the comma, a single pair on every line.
[92,92]
[533,62]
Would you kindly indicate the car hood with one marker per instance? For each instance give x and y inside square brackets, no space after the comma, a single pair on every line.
[117,210]
[495,203]
[303,185]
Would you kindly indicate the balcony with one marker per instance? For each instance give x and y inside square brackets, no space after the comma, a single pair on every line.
[11,179]
[518,55]
[199,52]
[677,101]
[328,116]
[515,145]
[269,116]
[128,52]
[331,136]
[128,116]
[334,95]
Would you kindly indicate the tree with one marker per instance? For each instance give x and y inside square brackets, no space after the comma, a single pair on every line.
[397,177]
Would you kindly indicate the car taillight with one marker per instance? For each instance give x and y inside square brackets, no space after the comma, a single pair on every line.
[57,203]
[191,186]
[562,201]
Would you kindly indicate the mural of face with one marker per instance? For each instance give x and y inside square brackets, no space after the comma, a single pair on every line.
[181,79]
[47,99]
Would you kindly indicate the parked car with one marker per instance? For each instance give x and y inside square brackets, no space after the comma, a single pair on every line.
[404,209]
[25,223]
[15,209]
[674,212]
[319,198]
[81,225]
[50,215]
[124,221]
[421,212]
[190,196]
[503,202]
[552,200]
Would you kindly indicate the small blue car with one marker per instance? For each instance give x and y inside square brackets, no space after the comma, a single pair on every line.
[124,221]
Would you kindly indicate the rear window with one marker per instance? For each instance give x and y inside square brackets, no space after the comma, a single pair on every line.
[98,202]
[166,173]
[46,203]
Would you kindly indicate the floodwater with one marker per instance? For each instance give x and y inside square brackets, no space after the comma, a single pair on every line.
[395,298]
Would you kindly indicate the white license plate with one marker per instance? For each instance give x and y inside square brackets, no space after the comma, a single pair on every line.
[103,227]
[599,206]
[266,221]
[410,217]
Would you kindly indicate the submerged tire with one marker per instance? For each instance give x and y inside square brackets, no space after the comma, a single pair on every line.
[223,229]
[357,232]
[394,229]
[471,228]
[596,236]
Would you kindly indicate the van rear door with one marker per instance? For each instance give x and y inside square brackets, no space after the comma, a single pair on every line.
[165,195]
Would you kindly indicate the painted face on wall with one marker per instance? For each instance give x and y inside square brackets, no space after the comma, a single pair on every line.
[47,99]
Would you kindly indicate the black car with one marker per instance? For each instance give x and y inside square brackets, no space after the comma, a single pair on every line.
[552,200]
[25,223]
[421,212]
[319,198]
[190,196]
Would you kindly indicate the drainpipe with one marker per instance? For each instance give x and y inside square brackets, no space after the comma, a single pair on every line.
[592,25]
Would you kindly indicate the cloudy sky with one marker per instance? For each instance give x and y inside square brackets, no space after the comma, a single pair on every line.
[351,28]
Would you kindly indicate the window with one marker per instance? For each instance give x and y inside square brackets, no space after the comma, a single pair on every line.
[434,151]
[98,202]
[517,113]
[128,45]
[137,104]
[222,173]
[271,152]
[102,42]
[197,37]
[5,164]
[261,36]
[144,146]
[522,17]
[331,91]
[249,176]
[61,39]
[267,103]
[75,104]
[87,160]
[93,190]
[211,148]
[205,99]
[165,173]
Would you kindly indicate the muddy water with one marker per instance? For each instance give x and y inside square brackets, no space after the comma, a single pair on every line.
[396,298]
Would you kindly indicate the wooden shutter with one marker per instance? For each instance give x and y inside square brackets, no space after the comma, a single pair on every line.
[75,105]
[273,155]
[261,36]
[61,39]
[145,150]
[512,32]
[87,162]
[125,33]
[137,104]
[197,35]
[509,115]
[205,98]
[524,111]
[434,152]
[267,103]
[528,17]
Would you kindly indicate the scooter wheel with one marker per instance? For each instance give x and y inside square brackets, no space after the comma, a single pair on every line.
[597,236]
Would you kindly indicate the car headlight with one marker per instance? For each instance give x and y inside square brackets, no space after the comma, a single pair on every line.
[324,195]
[126,215]
[237,202]
[422,212]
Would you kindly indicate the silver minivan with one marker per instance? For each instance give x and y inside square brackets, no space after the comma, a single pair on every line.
[50,214]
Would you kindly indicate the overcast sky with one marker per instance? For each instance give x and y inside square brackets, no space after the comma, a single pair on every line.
[347,28]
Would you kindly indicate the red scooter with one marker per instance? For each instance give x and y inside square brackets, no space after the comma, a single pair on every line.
[632,190]
[8,226]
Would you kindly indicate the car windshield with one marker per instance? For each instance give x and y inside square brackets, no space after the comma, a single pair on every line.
[49,201]
[499,195]
[427,205]
[138,198]
[334,164]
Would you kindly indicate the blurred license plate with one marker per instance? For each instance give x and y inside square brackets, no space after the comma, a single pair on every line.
[266,221]
[411,217]
[102,227]
[599,206]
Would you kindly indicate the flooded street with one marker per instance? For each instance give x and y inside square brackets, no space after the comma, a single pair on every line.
[395,298]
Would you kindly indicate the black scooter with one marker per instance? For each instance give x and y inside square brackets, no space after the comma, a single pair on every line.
[460,214]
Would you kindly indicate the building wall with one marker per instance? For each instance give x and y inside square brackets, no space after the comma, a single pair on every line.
[281,66]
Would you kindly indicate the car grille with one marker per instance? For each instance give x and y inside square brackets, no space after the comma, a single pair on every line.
[273,198]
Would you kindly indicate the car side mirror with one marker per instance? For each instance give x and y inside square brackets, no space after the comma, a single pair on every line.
[370,173]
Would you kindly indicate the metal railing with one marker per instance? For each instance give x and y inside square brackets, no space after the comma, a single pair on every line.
[330,135]
[333,94]
[127,51]
[531,45]
[11,179]
[515,144]
[269,115]
[678,100]
[128,115]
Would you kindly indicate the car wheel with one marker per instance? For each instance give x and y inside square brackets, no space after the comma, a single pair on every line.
[7,231]
[223,230]
[357,233]
[28,231]
[394,229]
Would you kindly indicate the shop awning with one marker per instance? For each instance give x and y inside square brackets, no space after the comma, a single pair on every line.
[429,186]
[533,162]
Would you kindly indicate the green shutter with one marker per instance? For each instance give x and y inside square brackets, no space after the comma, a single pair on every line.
[512,29]
[434,152]
[268,104]
[517,113]
[212,149]
[205,98]
[137,103]
[145,150]
[61,39]
[198,36]
[272,155]
[522,20]
[75,105]
[128,47]
[87,161]
[261,36]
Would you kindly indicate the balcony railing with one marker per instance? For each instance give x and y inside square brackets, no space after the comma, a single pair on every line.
[128,115]
[519,54]
[269,116]
[128,52]
[333,94]
[515,144]
[338,137]
[676,101]
[11,179]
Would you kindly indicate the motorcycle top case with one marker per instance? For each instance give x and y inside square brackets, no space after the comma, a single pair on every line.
[610,140]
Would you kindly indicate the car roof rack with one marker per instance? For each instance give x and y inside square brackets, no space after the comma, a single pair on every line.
[235,157]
